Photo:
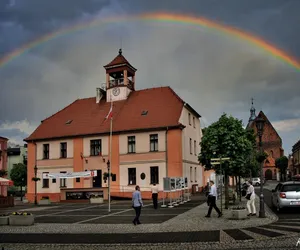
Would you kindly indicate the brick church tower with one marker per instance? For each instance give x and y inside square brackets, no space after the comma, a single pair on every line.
[271,142]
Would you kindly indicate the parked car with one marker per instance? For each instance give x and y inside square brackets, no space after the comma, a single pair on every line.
[286,195]
[256,181]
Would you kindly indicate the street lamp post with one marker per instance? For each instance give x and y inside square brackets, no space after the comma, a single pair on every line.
[35,189]
[22,189]
[260,122]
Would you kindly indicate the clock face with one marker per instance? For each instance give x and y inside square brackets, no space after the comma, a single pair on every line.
[116,91]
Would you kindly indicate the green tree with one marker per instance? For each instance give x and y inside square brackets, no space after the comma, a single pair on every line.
[18,175]
[227,138]
[282,164]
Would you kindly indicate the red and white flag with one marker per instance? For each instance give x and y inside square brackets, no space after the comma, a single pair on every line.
[110,114]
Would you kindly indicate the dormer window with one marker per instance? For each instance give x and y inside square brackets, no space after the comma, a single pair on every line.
[68,122]
[144,112]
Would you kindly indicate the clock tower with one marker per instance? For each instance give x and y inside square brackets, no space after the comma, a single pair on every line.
[120,78]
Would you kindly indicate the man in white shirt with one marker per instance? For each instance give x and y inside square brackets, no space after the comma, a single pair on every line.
[154,191]
[212,197]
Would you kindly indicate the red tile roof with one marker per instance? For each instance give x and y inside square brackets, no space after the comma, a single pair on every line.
[119,60]
[164,108]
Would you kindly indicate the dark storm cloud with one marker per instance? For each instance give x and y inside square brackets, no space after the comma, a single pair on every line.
[214,73]
[35,14]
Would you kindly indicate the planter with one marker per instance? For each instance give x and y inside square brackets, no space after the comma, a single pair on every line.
[239,214]
[44,202]
[21,220]
[96,200]
[4,220]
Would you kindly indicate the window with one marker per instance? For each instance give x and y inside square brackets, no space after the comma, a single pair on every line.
[154,142]
[63,181]
[45,181]
[194,122]
[77,179]
[53,180]
[131,176]
[195,174]
[154,175]
[63,150]
[190,119]
[195,147]
[191,146]
[45,151]
[191,174]
[131,144]
[95,147]
[290,188]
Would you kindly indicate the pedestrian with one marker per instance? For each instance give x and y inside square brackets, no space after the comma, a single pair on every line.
[154,191]
[250,196]
[211,200]
[137,204]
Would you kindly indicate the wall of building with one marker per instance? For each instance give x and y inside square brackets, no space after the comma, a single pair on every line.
[15,159]
[142,142]
[54,149]
[296,158]
[79,159]
[3,162]
[145,184]
[272,145]
[3,156]
[191,167]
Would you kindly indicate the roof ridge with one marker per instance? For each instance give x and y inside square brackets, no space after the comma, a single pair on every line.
[59,111]
[176,95]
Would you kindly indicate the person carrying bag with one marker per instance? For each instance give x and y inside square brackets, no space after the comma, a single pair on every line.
[250,196]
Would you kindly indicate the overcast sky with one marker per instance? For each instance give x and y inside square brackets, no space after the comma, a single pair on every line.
[213,72]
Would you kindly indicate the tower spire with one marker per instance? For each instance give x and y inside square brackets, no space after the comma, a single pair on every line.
[252,111]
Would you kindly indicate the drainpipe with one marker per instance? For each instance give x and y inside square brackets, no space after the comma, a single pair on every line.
[167,151]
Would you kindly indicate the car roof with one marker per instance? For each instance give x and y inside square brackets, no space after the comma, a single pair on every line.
[290,182]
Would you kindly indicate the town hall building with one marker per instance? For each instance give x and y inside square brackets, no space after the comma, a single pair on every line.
[155,134]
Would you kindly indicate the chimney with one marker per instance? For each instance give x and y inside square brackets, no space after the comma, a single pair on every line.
[99,95]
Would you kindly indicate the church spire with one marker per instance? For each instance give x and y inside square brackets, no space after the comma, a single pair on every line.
[252,112]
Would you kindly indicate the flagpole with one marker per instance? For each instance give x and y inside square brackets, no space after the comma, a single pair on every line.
[109,169]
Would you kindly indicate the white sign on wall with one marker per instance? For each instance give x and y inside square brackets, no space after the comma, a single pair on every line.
[92,173]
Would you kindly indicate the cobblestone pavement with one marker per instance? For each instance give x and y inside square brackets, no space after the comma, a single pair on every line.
[190,221]
[191,226]
[284,243]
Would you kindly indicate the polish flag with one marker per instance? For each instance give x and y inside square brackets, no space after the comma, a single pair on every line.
[109,115]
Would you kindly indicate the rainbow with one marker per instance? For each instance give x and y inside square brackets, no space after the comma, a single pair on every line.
[160,17]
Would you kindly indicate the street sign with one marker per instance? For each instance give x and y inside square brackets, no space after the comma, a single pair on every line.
[222,159]
[215,163]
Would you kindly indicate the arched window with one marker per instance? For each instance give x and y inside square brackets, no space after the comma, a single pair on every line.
[271,153]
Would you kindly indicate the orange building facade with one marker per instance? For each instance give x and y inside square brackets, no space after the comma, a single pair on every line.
[155,134]
[3,162]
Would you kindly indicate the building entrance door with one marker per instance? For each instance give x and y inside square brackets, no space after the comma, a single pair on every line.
[97,180]
[268,174]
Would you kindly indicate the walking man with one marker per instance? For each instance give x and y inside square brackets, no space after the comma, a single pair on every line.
[137,204]
[211,200]
[154,191]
